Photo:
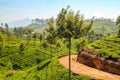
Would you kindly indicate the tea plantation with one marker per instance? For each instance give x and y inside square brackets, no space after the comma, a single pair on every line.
[108,48]
[35,62]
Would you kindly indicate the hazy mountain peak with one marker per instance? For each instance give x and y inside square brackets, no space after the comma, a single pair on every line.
[18,23]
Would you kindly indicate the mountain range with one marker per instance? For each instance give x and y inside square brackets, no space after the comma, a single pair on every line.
[19,23]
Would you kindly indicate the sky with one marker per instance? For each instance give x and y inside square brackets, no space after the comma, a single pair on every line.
[11,10]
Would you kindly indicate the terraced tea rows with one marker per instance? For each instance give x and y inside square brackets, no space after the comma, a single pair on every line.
[108,47]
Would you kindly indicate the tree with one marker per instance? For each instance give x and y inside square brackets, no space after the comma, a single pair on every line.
[70,26]
[34,36]
[1,24]
[40,38]
[65,23]
[118,24]
[51,32]
[9,66]
[16,32]
[1,42]
[91,36]
[28,36]
[2,29]
[7,32]
[51,36]
[80,43]
[21,48]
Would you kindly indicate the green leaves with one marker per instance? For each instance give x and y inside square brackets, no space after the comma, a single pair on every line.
[22,48]
[118,24]
[118,21]
[51,35]
[108,48]
[9,66]
[71,25]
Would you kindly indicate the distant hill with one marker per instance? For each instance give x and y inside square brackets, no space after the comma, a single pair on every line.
[104,26]
[20,23]
[100,25]
[37,25]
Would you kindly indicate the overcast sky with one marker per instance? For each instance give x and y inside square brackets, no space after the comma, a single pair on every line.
[11,10]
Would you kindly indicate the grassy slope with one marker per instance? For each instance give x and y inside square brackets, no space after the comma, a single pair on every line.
[35,64]
[109,47]
[36,27]
[104,27]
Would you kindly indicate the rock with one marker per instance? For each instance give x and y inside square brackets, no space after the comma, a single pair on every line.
[97,62]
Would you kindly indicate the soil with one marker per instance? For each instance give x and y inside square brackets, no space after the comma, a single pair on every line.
[81,69]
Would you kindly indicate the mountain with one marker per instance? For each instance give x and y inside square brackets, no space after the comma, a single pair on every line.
[20,23]
[37,25]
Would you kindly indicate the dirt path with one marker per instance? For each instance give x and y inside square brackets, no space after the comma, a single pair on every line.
[78,68]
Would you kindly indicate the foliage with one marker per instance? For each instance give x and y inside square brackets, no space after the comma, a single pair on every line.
[22,48]
[70,25]
[104,26]
[80,43]
[118,24]
[9,66]
[68,29]
[107,47]
[1,42]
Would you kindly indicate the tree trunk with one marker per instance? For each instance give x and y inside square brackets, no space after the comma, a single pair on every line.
[69,59]
[34,42]
[51,62]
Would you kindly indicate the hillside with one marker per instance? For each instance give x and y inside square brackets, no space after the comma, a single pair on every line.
[101,27]
[36,27]
[104,26]
[108,48]
[34,62]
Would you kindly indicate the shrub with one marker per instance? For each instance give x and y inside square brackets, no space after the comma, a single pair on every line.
[10,73]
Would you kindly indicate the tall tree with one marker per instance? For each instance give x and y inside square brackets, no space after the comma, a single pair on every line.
[118,24]
[1,42]
[34,36]
[21,48]
[7,32]
[51,32]
[51,36]
[70,26]
[1,28]
[40,38]
[65,22]
[28,33]
[16,32]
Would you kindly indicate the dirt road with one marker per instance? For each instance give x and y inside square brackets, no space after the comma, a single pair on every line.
[78,68]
